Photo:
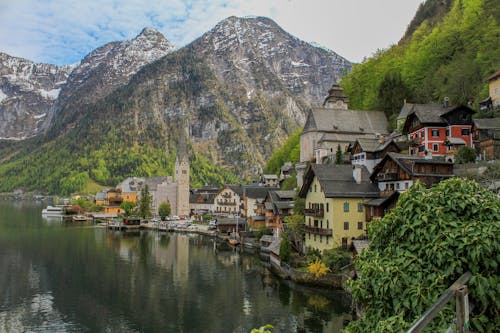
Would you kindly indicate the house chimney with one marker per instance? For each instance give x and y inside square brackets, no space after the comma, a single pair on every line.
[446,102]
[356,173]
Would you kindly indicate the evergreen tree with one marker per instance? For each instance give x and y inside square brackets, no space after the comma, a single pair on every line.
[338,155]
[145,202]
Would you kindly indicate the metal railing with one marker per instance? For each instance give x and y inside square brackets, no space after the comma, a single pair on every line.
[457,289]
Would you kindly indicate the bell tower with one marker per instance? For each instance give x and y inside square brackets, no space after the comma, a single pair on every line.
[182,173]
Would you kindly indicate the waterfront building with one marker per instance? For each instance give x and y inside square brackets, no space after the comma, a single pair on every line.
[334,211]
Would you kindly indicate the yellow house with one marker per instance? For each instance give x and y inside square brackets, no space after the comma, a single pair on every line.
[334,211]
[494,82]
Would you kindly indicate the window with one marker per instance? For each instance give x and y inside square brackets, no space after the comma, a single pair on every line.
[327,207]
[360,225]
[447,132]
[184,172]
[495,91]
[421,148]
[321,238]
[422,135]
[315,188]
[314,237]
[327,224]
[435,147]
[309,221]
[435,132]
[407,185]
[346,225]
[397,186]
[315,223]
[326,239]
[360,207]
[465,131]
[346,206]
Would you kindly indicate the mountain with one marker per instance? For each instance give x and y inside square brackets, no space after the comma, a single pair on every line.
[239,91]
[448,49]
[27,93]
[105,69]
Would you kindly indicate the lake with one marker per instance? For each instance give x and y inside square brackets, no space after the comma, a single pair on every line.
[64,277]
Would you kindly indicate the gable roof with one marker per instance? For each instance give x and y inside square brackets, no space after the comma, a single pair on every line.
[256,192]
[433,113]
[346,121]
[492,76]
[373,145]
[406,162]
[337,182]
[488,123]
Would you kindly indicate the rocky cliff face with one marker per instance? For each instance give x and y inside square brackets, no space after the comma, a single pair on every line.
[27,93]
[34,96]
[103,70]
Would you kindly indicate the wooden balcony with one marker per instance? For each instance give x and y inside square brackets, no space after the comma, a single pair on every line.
[226,203]
[387,176]
[318,231]
[315,212]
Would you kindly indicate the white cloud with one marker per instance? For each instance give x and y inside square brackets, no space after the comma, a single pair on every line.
[63,31]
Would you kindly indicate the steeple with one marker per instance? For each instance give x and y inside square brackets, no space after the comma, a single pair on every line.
[336,98]
[182,170]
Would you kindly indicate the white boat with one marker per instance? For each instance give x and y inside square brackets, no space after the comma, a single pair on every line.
[53,211]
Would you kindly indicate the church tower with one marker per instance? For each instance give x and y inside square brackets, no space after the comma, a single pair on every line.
[182,175]
[336,98]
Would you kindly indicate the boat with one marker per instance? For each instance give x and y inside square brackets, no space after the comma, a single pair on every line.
[233,241]
[79,218]
[53,211]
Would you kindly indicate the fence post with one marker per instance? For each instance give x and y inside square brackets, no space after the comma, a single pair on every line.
[462,306]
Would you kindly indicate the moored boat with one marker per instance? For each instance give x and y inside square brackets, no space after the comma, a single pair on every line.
[79,218]
[53,211]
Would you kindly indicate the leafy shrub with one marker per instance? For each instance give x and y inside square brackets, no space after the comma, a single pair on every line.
[420,248]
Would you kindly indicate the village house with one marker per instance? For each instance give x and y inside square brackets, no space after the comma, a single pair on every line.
[278,205]
[369,152]
[438,130]
[334,125]
[493,100]
[398,172]
[486,137]
[270,180]
[228,200]
[252,197]
[202,200]
[334,211]
[378,207]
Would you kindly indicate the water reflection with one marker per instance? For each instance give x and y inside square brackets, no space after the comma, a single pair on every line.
[59,277]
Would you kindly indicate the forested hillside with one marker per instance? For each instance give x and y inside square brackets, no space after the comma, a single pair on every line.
[449,48]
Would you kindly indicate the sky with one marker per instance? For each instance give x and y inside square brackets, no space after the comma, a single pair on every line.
[64,31]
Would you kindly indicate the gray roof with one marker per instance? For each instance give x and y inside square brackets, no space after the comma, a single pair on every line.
[289,194]
[274,247]
[405,110]
[337,182]
[284,204]
[406,162]
[491,123]
[359,245]
[132,184]
[373,145]
[346,121]
[153,182]
[231,221]
[256,192]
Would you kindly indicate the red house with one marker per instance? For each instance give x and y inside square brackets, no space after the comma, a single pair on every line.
[438,130]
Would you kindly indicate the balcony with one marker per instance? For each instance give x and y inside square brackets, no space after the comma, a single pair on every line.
[226,203]
[387,176]
[315,212]
[318,231]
